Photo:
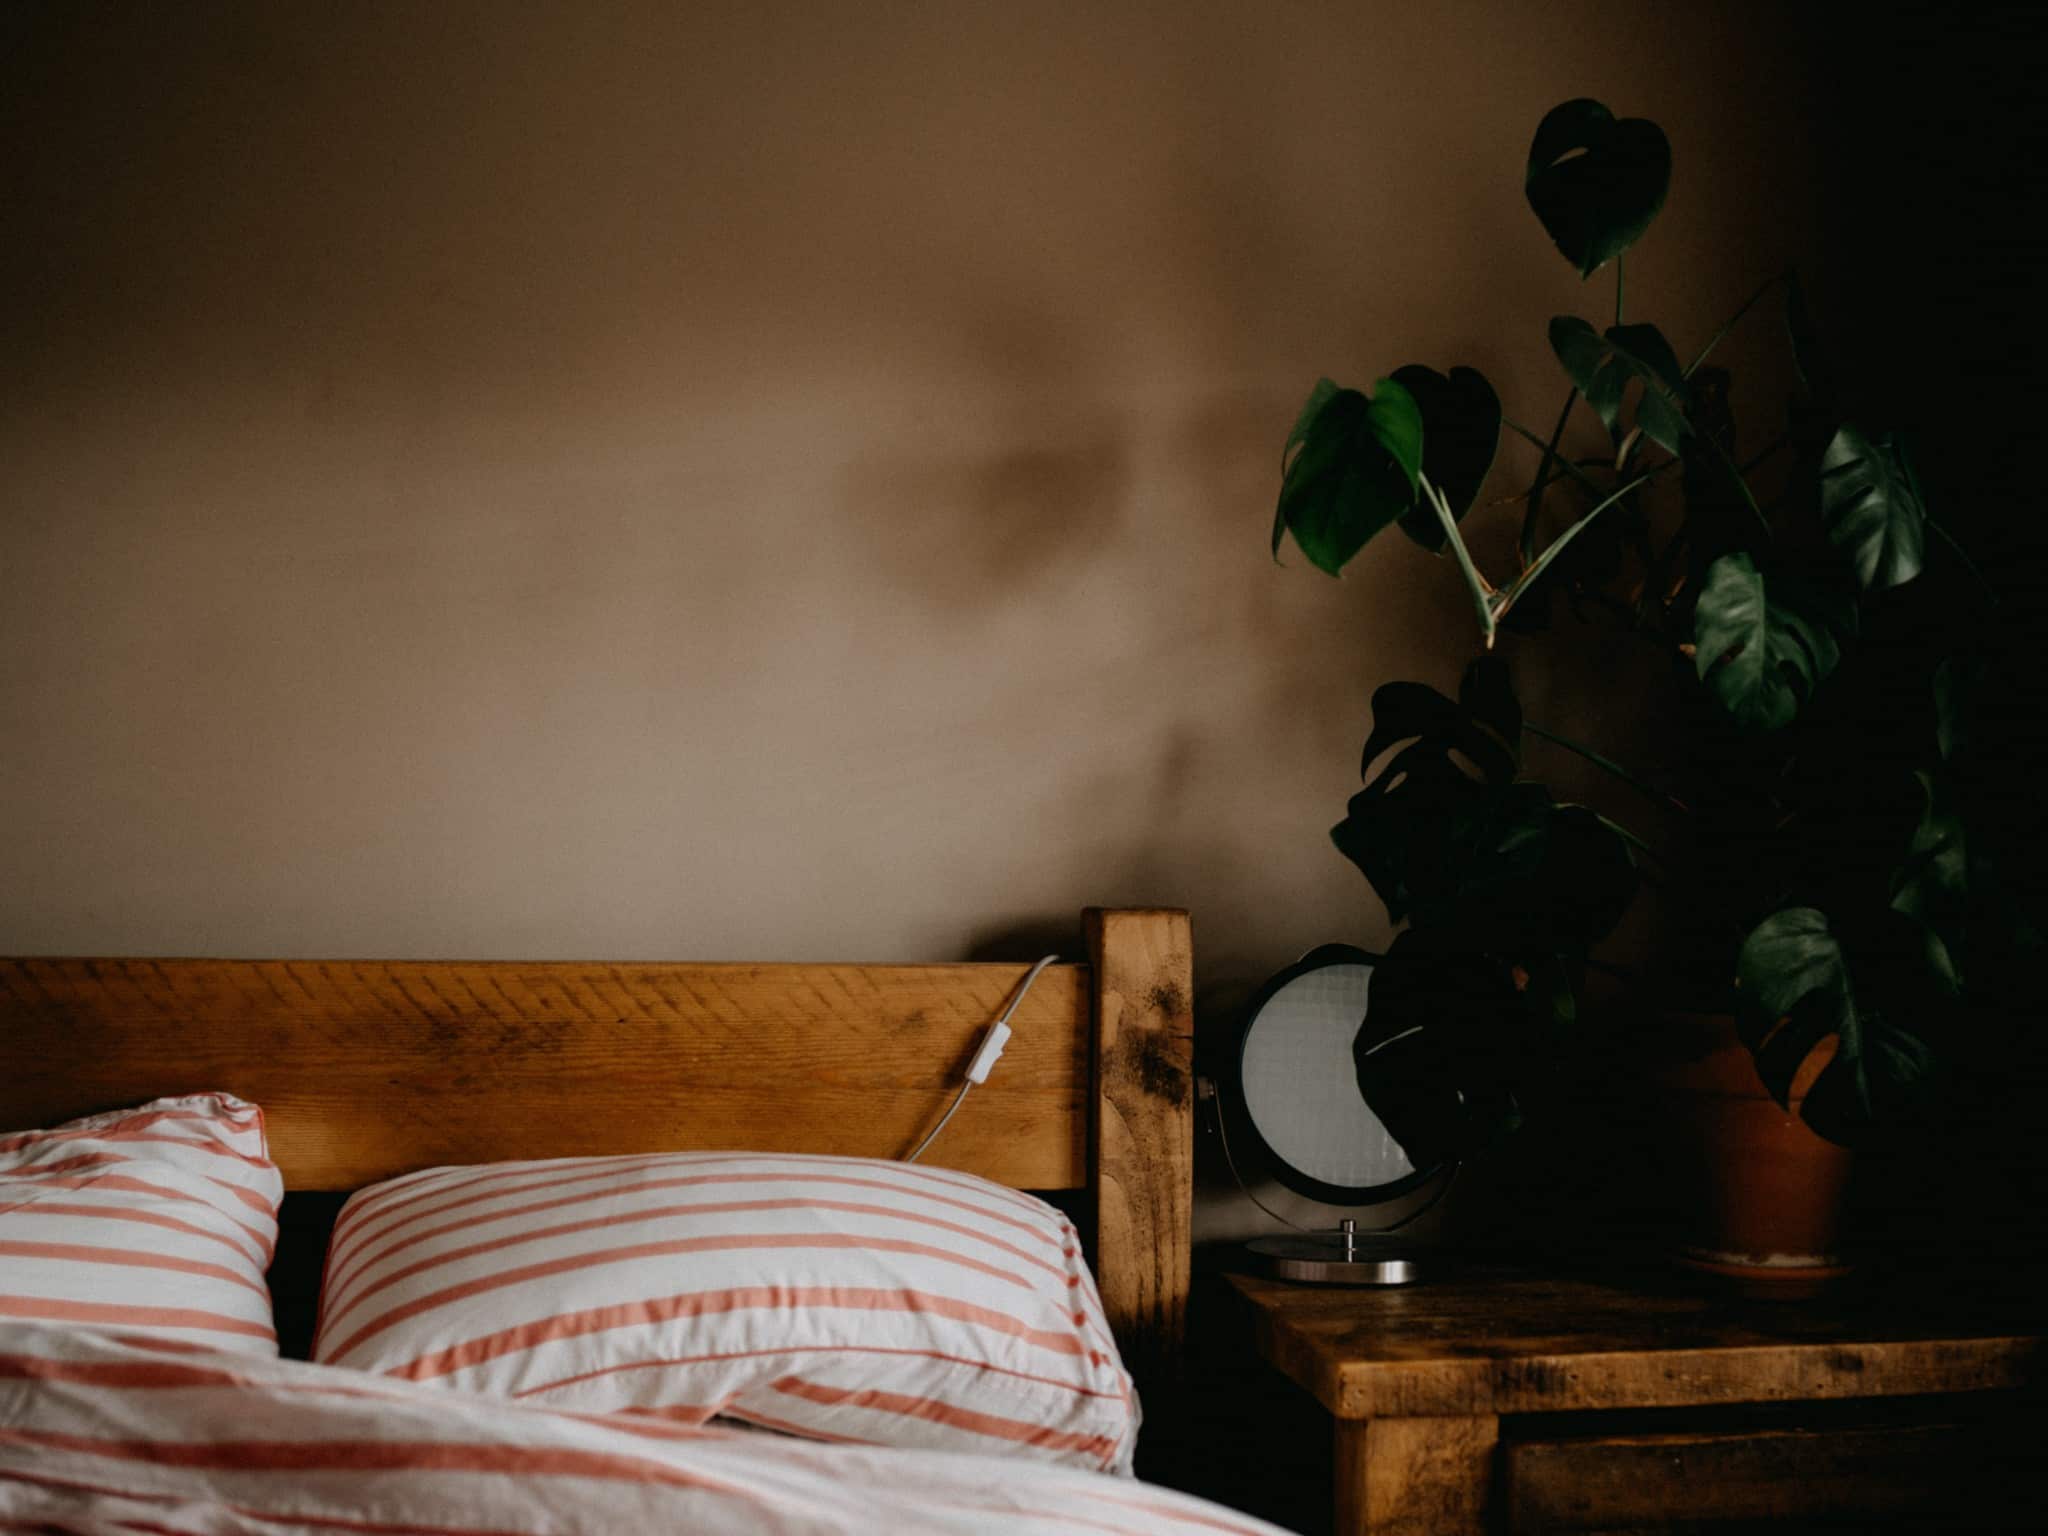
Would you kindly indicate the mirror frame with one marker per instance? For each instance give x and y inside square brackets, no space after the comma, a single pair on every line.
[1233,1102]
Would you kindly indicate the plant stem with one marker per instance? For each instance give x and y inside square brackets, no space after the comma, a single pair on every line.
[1527,544]
[1741,484]
[1572,470]
[1758,457]
[1523,582]
[1627,836]
[1569,472]
[1963,555]
[1732,321]
[1639,785]
[1920,497]
[1617,290]
[1482,590]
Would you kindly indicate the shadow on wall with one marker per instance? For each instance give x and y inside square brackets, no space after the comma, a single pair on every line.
[1146,858]
[1197,672]
[1025,939]
[962,531]
[1137,835]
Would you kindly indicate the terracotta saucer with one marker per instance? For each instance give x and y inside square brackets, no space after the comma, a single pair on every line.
[1761,1282]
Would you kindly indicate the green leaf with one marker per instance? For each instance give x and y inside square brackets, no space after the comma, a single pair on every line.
[1449,1036]
[1762,652]
[1850,1098]
[1872,509]
[1353,470]
[1792,991]
[1397,423]
[1596,181]
[1604,365]
[1940,963]
[1460,434]
[1404,710]
[1451,840]
[1794,988]
[1397,828]
[1932,881]
[1537,878]
[1586,881]
[1400,829]
[1499,865]
[1318,397]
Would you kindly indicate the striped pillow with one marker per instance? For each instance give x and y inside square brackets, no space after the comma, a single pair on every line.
[835,1298]
[158,1220]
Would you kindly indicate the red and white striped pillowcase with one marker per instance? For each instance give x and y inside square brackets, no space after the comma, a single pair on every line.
[834,1298]
[105,1434]
[158,1220]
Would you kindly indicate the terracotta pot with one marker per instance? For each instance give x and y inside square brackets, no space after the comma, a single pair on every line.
[1762,1193]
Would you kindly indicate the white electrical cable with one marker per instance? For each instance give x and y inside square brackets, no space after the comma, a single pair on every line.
[992,1042]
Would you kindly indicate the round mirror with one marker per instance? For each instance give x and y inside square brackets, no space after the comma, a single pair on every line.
[1298,1085]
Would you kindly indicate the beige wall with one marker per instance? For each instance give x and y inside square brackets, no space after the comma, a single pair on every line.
[766,480]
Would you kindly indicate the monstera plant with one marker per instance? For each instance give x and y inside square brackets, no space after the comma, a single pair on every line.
[1504,891]
[1818,832]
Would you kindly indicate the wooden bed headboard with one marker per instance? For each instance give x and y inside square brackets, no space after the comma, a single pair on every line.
[366,1069]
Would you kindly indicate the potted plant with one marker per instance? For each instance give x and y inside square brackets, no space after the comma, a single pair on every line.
[1821,630]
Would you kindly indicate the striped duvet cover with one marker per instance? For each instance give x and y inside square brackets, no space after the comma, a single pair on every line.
[103,1433]
[845,1299]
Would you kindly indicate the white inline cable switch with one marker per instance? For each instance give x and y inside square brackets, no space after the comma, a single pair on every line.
[992,1045]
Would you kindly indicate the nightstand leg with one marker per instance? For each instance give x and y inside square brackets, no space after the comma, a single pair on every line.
[1414,1477]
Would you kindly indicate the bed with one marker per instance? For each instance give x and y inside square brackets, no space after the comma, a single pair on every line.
[370,1069]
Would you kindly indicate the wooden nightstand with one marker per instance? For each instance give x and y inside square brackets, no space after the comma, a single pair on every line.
[1497,1399]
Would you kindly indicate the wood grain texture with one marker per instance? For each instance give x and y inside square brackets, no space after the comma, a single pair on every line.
[1507,1343]
[1947,1474]
[367,1069]
[1141,1137]
[1413,1477]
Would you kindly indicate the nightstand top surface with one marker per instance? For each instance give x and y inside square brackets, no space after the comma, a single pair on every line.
[1493,1340]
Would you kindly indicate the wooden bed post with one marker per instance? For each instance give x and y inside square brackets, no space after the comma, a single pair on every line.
[1141,1126]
